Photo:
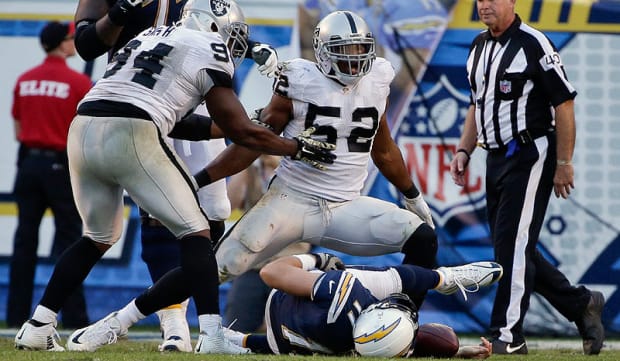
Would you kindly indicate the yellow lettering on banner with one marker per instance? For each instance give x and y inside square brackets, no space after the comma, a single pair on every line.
[549,13]
[464,16]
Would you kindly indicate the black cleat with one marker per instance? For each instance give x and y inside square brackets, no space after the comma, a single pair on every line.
[590,326]
[504,348]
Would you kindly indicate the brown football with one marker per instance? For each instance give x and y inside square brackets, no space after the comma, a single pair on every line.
[435,340]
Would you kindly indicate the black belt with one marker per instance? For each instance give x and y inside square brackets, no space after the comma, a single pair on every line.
[109,108]
[524,137]
[44,152]
[529,136]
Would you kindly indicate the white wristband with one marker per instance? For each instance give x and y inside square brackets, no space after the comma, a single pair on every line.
[308,261]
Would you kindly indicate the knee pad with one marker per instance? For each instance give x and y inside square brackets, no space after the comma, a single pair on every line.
[216,208]
[421,247]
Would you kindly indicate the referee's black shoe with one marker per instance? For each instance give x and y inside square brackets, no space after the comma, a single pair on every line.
[590,325]
[500,347]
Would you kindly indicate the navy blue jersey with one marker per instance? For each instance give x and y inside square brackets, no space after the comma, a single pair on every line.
[154,13]
[323,324]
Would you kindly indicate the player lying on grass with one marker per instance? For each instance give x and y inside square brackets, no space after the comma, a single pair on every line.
[333,310]
[366,310]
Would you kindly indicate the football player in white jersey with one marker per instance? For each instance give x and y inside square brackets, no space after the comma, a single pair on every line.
[116,143]
[343,99]
[107,25]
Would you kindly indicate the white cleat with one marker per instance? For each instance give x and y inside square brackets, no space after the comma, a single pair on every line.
[175,330]
[37,336]
[175,344]
[104,332]
[218,344]
[468,278]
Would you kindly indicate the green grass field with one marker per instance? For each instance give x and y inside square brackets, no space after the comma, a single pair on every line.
[147,351]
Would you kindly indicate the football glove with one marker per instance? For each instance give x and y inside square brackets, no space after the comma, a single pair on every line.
[266,58]
[418,206]
[314,152]
[119,12]
[328,262]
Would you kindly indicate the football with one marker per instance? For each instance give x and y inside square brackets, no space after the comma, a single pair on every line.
[435,340]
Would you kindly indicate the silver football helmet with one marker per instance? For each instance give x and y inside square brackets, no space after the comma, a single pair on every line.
[344,46]
[386,328]
[222,16]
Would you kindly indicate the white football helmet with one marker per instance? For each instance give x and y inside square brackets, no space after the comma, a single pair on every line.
[344,46]
[222,16]
[386,328]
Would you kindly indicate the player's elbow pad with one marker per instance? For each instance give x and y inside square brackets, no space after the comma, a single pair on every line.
[87,42]
[192,127]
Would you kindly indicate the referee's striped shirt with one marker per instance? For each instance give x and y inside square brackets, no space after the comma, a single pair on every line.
[516,80]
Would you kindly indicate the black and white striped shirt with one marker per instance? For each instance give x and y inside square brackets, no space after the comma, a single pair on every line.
[516,80]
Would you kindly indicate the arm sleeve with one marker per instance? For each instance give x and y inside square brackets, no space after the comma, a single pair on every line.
[87,42]
[192,127]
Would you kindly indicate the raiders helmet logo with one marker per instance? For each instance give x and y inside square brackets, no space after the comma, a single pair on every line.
[220,7]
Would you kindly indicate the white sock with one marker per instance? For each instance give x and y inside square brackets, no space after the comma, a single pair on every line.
[129,315]
[210,324]
[238,338]
[44,314]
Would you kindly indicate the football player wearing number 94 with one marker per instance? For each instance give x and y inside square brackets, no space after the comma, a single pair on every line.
[342,98]
[116,143]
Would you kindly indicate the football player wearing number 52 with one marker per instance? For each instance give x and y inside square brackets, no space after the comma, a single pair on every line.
[343,98]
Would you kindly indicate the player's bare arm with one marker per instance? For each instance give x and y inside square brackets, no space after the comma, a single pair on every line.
[387,157]
[236,157]
[482,351]
[466,147]
[277,113]
[287,275]
[228,113]
[563,181]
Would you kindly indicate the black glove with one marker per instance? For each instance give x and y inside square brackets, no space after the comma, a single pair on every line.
[328,262]
[314,152]
[119,13]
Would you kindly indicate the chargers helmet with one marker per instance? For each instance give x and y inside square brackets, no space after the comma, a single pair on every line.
[386,328]
[344,46]
[222,16]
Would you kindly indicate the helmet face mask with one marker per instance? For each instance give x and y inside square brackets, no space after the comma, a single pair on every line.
[222,16]
[386,328]
[344,47]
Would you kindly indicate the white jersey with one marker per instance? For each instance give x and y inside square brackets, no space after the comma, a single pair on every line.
[165,71]
[346,116]
[196,154]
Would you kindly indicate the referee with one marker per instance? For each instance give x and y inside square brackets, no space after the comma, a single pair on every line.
[522,113]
